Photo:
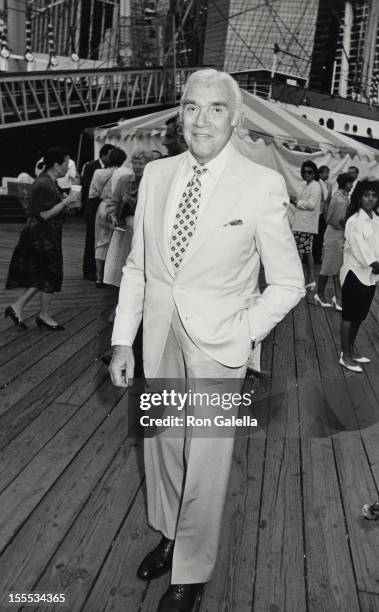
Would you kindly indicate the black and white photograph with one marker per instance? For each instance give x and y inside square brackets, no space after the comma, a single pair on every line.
[189,321]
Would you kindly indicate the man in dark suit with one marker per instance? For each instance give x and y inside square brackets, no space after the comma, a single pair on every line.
[353,172]
[173,139]
[90,206]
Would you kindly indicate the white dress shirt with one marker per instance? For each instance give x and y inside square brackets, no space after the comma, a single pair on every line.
[361,247]
[353,186]
[209,181]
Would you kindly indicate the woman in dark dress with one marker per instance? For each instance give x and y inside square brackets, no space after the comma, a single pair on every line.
[37,262]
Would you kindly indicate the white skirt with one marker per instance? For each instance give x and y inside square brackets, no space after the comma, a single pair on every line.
[118,251]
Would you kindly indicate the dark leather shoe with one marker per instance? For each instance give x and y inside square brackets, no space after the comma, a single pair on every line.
[158,561]
[180,597]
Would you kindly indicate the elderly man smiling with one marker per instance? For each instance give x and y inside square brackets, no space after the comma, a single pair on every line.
[205,220]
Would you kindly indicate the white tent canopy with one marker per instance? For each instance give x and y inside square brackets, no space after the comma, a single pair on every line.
[269,135]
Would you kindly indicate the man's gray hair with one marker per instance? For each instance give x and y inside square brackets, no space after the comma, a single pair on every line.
[210,74]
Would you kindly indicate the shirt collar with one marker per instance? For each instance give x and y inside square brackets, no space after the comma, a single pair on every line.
[101,163]
[363,216]
[216,165]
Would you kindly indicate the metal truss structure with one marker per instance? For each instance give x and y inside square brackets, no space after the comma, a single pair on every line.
[38,97]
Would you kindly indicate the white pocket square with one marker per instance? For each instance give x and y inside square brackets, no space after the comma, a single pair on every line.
[234,222]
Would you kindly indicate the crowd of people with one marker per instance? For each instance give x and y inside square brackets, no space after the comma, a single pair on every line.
[106,193]
[339,228]
[331,225]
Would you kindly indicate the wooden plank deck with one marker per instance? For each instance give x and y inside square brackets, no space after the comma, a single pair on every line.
[72,498]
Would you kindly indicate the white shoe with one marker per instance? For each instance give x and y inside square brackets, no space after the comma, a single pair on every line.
[335,304]
[319,301]
[311,286]
[362,359]
[356,368]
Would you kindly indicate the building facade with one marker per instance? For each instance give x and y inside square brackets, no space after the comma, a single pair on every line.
[241,35]
[332,44]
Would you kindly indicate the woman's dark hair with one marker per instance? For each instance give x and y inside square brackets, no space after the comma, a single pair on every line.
[55,155]
[343,179]
[323,168]
[116,157]
[366,184]
[312,165]
[105,149]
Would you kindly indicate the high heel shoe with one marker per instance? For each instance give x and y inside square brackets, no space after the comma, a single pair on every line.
[352,368]
[335,304]
[319,301]
[361,359]
[9,312]
[41,323]
[311,286]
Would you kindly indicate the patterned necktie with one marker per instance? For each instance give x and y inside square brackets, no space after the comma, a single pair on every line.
[186,218]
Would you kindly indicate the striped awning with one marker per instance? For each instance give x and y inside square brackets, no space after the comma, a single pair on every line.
[264,120]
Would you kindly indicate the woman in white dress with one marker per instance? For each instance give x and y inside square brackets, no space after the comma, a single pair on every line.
[103,224]
[335,217]
[124,201]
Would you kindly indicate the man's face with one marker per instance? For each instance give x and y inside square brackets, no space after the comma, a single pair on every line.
[171,140]
[105,158]
[208,118]
[138,165]
[324,175]
[63,167]
[353,172]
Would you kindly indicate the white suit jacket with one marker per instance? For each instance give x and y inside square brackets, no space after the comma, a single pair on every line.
[216,288]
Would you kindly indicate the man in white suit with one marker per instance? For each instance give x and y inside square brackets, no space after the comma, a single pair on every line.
[205,220]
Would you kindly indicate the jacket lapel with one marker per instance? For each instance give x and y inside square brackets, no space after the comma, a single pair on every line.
[162,198]
[218,209]
[223,199]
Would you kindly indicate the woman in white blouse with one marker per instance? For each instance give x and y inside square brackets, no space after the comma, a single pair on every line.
[360,269]
[306,218]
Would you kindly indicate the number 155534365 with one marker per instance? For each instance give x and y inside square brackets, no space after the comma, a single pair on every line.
[16,598]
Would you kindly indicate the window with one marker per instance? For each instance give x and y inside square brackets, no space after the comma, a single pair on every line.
[355,129]
[347,127]
[369,132]
[321,121]
[330,124]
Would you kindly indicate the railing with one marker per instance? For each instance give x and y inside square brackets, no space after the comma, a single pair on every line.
[38,97]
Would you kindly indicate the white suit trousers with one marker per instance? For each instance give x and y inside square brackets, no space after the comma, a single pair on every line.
[187,475]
